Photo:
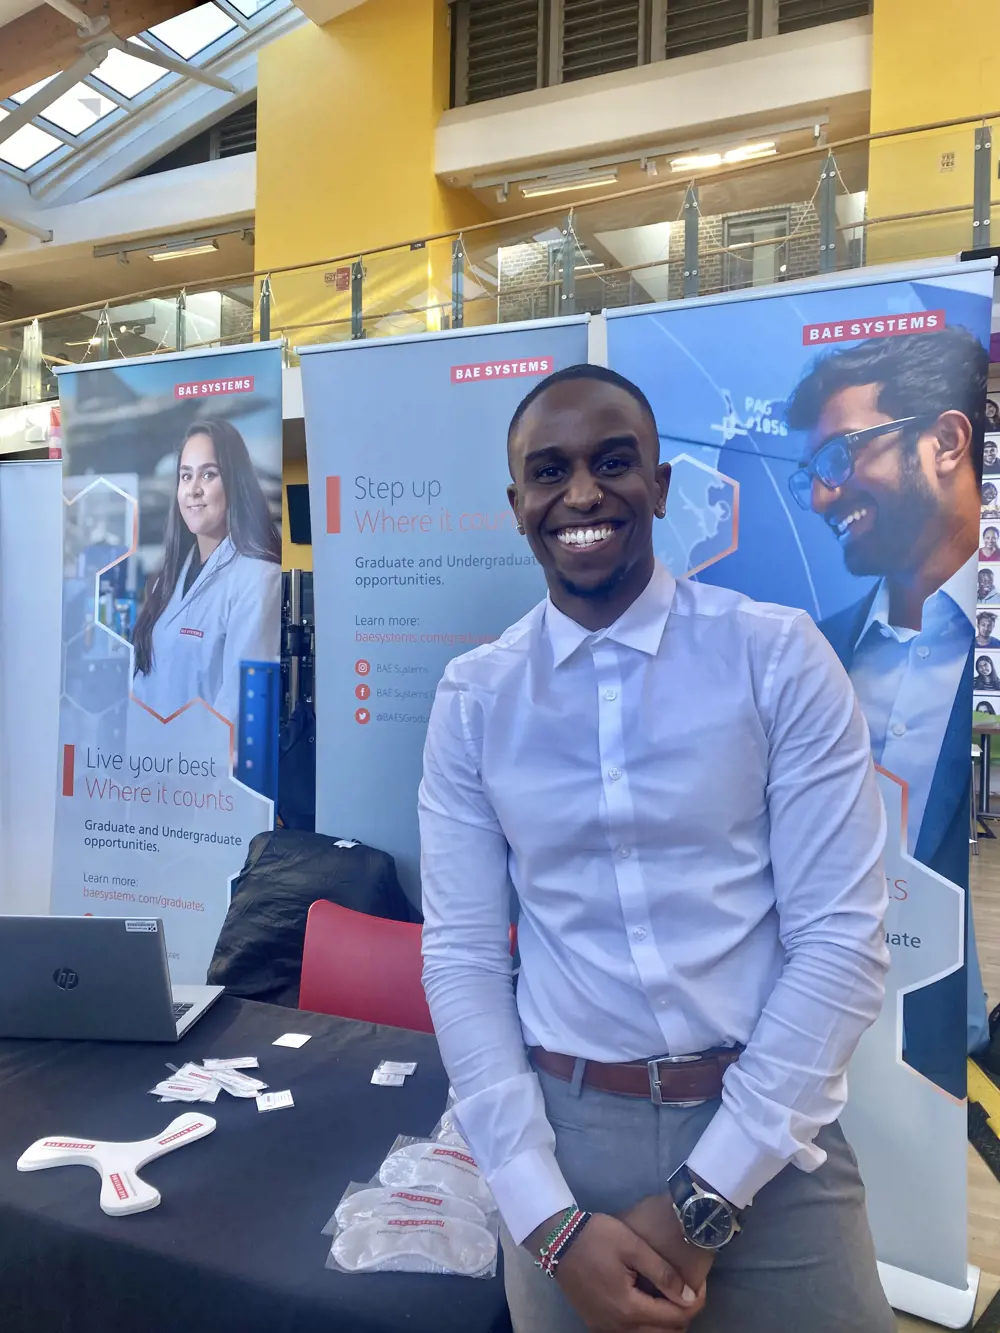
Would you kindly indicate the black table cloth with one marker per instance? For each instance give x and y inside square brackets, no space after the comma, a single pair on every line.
[235,1244]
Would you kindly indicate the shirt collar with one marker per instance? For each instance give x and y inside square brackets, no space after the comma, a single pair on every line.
[641,626]
[958,589]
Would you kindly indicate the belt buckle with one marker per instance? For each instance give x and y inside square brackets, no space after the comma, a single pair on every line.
[652,1068]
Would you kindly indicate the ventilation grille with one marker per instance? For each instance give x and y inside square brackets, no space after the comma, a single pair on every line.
[599,36]
[236,134]
[702,25]
[502,48]
[796,14]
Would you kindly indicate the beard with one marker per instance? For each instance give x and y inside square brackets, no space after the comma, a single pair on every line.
[598,591]
[903,516]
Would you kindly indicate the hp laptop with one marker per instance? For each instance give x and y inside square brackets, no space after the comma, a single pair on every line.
[93,978]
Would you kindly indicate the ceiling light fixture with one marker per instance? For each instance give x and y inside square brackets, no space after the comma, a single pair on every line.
[184,251]
[750,152]
[555,185]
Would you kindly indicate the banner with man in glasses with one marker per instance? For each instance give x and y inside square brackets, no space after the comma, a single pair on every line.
[828,450]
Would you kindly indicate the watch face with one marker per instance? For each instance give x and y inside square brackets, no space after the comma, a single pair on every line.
[708,1221]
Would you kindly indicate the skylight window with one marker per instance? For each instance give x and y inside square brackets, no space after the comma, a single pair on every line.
[248,8]
[78,109]
[26,146]
[126,75]
[25,93]
[189,33]
[123,87]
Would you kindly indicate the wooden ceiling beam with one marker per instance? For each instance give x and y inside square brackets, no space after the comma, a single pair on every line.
[43,42]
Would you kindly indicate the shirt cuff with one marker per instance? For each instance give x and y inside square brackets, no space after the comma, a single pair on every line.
[529,1189]
[733,1163]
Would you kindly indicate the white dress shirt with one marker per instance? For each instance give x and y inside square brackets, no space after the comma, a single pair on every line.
[907,679]
[686,806]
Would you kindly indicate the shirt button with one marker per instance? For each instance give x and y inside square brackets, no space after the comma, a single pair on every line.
[614,774]
[611,695]
[638,933]
[923,652]
[898,729]
[885,631]
[624,852]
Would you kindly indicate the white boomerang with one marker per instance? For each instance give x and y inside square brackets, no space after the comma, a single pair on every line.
[122,1191]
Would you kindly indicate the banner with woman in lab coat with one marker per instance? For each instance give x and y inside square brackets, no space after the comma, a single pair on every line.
[172,584]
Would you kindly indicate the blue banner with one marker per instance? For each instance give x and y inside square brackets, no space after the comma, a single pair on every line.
[827,447]
[415,552]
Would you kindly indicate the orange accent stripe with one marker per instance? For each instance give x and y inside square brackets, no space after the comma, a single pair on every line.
[333,504]
[69,764]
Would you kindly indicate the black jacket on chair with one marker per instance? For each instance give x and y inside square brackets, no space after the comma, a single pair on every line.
[259,951]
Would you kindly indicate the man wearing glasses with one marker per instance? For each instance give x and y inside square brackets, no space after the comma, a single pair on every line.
[894,445]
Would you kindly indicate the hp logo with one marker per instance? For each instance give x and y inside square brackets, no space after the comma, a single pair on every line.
[65,978]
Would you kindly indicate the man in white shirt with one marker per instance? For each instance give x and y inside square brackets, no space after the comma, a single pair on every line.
[678,783]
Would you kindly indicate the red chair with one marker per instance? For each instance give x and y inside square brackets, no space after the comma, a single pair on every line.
[363,967]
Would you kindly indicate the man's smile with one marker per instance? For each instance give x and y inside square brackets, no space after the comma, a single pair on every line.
[576,536]
[854,523]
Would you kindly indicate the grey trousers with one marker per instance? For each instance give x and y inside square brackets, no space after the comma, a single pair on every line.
[803,1263]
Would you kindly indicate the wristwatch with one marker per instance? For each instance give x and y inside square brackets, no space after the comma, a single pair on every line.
[707,1220]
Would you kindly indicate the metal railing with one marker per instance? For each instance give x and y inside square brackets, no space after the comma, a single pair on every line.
[802,212]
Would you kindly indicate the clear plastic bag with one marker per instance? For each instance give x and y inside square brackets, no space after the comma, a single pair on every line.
[448,1130]
[415,1163]
[377,1229]
[361,1202]
[415,1245]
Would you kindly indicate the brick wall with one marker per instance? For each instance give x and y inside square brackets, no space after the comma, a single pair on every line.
[524,271]
[799,254]
[235,320]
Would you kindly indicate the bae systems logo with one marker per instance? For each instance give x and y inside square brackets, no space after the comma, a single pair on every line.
[65,978]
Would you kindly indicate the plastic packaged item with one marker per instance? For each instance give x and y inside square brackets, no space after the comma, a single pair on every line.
[420,1162]
[447,1130]
[362,1202]
[428,1211]
[415,1245]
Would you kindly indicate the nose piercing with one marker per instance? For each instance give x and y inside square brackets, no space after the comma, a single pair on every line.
[600,496]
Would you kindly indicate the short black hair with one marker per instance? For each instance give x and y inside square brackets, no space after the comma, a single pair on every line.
[996,531]
[918,374]
[585,370]
[986,615]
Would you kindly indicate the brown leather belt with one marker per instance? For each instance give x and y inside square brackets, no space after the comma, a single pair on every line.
[673,1080]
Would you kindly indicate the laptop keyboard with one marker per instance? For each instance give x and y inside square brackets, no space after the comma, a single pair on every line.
[181,1009]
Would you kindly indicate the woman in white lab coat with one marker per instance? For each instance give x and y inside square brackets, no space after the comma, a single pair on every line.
[216,601]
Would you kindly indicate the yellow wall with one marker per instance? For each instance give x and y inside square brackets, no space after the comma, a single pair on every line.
[346,116]
[932,60]
[345,160]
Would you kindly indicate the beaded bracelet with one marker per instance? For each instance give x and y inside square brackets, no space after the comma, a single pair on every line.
[559,1239]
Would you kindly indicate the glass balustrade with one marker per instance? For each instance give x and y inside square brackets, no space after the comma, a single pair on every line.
[806,211]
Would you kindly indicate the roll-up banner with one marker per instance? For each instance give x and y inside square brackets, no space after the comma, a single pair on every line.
[171,587]
[827,448]
[30,539]
[415,550]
